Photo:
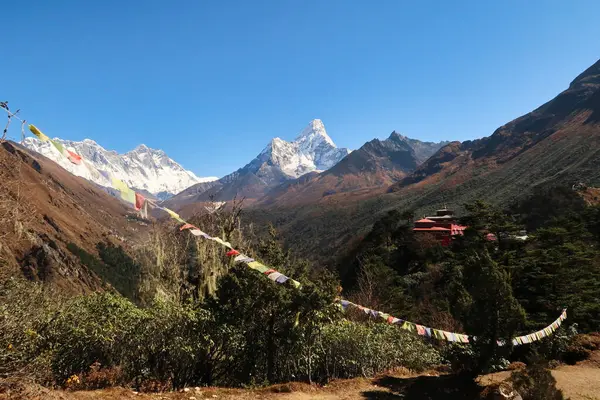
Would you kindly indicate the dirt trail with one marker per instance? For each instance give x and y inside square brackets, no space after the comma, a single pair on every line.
[578,382]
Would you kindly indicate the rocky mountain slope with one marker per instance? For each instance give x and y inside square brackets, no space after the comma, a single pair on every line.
[143,168]
[43,210]
[279,162]
[557,142]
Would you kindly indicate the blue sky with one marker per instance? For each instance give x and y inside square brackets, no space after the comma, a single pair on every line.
[211,82]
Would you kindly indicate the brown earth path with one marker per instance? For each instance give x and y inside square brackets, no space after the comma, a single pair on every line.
[578,382]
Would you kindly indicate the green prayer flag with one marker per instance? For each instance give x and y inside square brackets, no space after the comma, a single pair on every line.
[58,146]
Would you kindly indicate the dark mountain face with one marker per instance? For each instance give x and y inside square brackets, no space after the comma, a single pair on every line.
[422,150]
[397,153]
[250,182]
[387,155]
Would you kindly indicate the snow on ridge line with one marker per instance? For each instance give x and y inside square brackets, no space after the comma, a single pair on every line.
[150,170]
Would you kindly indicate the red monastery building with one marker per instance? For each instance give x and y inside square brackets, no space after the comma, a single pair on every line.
[442,225]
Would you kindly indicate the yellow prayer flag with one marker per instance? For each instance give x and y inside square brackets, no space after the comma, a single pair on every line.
[119,185]
[296,284]
[254,264]
[174,215]
[128,195]
[38,133]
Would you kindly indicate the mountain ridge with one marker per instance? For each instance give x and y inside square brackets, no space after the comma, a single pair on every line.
[313,165]
[576,106]
[142,168]
[280,161]
[372,168]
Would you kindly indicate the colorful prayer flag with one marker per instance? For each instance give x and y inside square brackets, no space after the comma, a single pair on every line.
[58,146]
[139,201]
[38,133]
[128,195]
[187,226]
[74,157]
[173,214]
[274,276]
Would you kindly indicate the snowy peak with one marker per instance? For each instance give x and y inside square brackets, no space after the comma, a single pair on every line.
[142,168]
[314,134]
[312,150]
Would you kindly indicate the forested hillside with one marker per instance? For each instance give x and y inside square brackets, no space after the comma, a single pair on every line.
[189,316]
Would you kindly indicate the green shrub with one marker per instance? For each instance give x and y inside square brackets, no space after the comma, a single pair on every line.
[349,349]
[170,344]
[26,311]
[115,267]
[91,329]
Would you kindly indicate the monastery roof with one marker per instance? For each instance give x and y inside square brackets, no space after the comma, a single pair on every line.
[425,220]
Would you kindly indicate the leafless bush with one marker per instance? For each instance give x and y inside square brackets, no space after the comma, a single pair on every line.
[178,266]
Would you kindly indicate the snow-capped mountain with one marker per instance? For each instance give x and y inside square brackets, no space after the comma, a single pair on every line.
[312,150]
[142,168]
[281,161]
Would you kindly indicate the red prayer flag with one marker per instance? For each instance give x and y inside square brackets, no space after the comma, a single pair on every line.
[139,201]
[187,226]
[73,157]
[233,253]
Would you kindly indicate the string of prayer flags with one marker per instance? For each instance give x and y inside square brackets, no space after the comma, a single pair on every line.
[72,156]
[272,274]
[194,231]
[452,336]
[125,192]
[139,201]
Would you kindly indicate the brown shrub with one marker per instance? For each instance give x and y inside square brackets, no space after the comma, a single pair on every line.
[581,348]
[96,378]
[155,386]
[516,365]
